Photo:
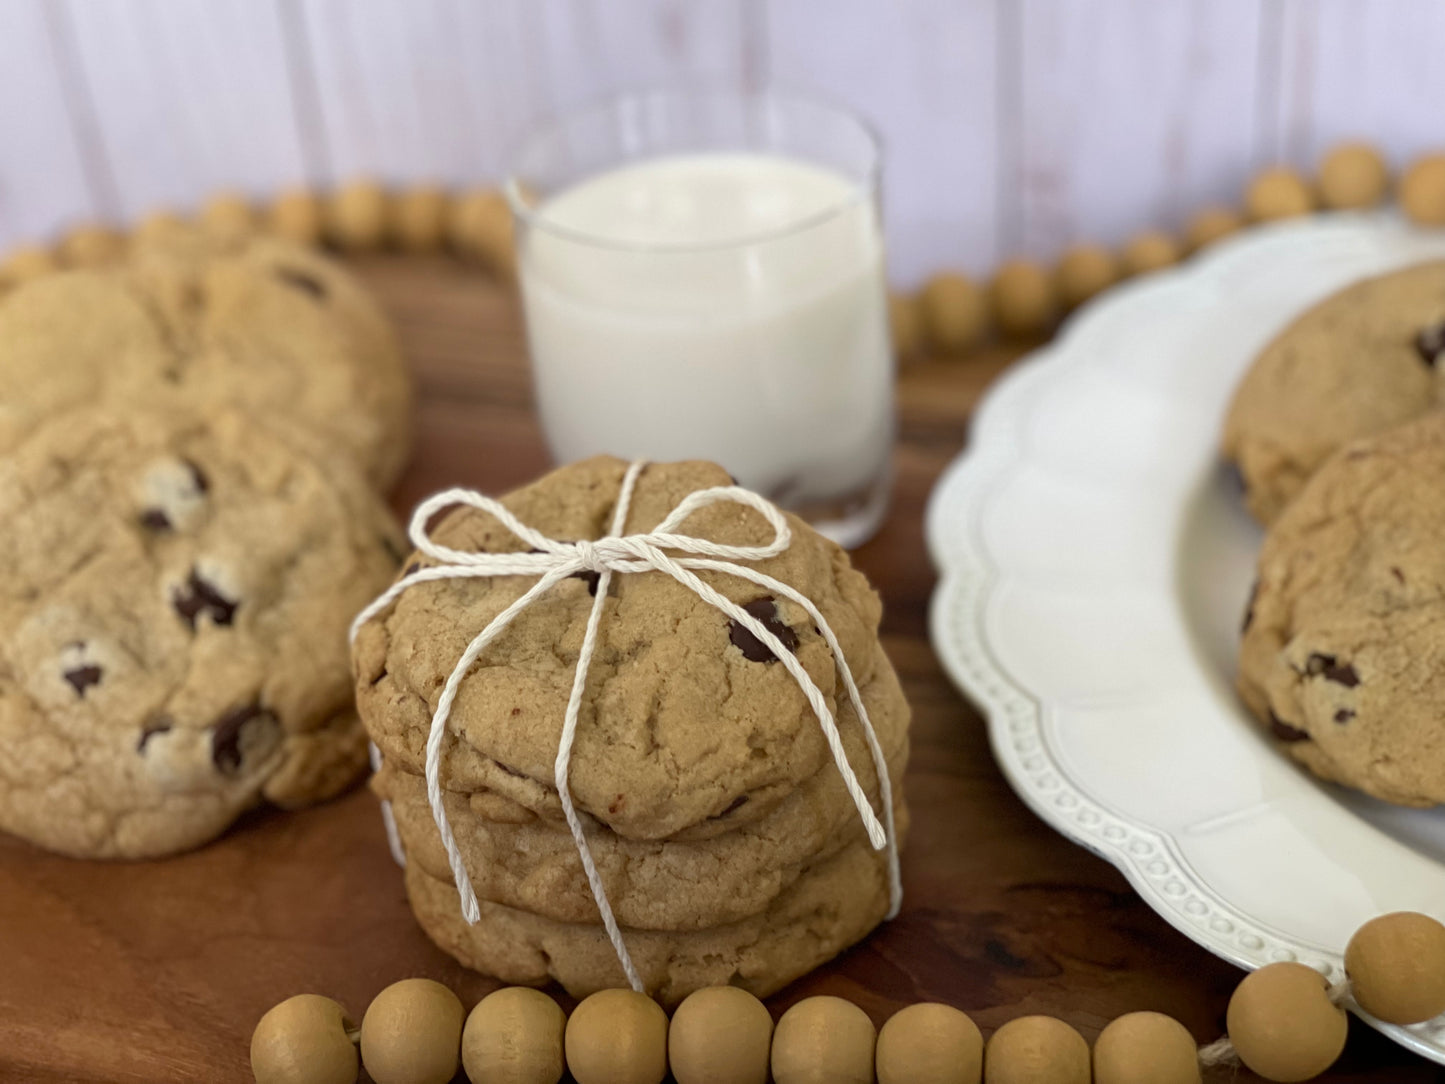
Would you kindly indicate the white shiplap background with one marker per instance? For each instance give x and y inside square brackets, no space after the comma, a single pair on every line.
[1013,126]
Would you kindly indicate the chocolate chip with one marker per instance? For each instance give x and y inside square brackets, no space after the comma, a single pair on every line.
[1283,731]
[203,484]
[199,596]
[592,579]
[1400,576]
[158,725]
[83,677]
[736,804]
[1331,669]
[1344,715]
[617,804]
[765,609]
[1249,607]
[300,280]
[413,567]
[1430,343]
[226,736]
[153,519]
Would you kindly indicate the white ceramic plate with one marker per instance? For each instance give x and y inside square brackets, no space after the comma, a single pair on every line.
[1094,565]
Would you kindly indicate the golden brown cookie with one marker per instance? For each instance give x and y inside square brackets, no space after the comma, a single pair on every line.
[173,626]
[1363,360]
[517,858]
[261,324]
[682,719]
[830,907]
[1343,655]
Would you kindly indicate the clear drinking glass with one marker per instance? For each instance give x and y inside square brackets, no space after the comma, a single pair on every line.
[702,275]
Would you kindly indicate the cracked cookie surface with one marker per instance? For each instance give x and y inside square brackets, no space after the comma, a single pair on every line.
[694,726]
[262,324]
[1359,362]
[173,626]
[1343,653]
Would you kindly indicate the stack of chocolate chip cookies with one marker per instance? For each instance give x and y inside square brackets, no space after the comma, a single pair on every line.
[191,445]
[1339,435]
[724,836]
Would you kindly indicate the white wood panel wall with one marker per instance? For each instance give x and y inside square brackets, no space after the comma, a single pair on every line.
[1012,126]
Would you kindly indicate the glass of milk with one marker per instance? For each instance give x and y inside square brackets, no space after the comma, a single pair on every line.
[702,274]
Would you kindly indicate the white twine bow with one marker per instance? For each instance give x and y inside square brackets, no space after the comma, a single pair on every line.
[553,562]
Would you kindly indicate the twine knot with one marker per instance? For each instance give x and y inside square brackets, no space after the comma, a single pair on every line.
[667,550]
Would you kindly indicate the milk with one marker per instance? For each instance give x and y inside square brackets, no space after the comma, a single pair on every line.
[724,306]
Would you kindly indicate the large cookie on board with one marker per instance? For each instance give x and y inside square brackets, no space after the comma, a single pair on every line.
[173,626]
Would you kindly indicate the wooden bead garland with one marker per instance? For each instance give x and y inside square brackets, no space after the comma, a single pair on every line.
[1210,225]
[1278,193]
[412,1034]
[1036,1050]
[356,216]
[1146,1048]
[1422,191]
[955,312]
[296,216]
[1023,299]
[1084,271]
[304,1040]
[720,1035]
[1353,176]
[1152,250]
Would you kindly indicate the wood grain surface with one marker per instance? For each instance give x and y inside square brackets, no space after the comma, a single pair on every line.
[156,972]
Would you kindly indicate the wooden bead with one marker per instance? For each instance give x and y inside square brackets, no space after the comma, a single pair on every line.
[1036,1050]
[356,216]
[955,313]
[1283,1025]
[419,219]
[824,1040]
[1083,272]
[1353,175]
[514,1036]
[1023,299]
[1152,250]
[929,1044]
[91,246]
[161,228]
[26,263]
[480,228]
[296,216]
[304,1040]
[720,1035]
[1210,225]
[905,325]
[1278,193]
[412,1034]
[1422,191]
[1146,1048]
[228,216]
[1396,965]
[617,1037]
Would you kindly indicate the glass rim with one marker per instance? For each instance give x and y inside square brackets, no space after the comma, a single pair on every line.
[527,214]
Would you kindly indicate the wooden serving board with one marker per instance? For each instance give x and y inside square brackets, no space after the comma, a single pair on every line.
[154,972]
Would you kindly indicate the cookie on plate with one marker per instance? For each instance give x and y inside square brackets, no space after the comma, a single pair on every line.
[683,733]
[1363,360]
[173,626]
[1343,654]
[272,327]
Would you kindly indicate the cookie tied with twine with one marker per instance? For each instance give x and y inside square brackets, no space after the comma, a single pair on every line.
[670,552]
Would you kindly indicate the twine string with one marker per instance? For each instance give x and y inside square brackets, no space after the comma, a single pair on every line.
[1222,1052]
[554,561]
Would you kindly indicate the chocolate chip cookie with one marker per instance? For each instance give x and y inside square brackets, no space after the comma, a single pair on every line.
[1361,361]
[518,858]
[264,325]
[1343,655]
[830,907]
[688,729]
[173,626]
